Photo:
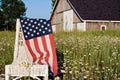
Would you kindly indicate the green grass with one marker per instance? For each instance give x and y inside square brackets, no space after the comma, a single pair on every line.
[6,48]
[92,55]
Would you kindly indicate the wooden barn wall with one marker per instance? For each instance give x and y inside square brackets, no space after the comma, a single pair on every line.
[116,25]
[96,25]
[75,21]
[66,6]
[75,18]
[57,18]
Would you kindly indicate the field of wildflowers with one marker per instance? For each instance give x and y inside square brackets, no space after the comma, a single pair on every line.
[6,48]
[91,55]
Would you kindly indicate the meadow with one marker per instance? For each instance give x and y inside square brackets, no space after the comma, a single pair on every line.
[7,40]
[92,55]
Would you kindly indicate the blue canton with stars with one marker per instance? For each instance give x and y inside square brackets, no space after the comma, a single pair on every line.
[33,28]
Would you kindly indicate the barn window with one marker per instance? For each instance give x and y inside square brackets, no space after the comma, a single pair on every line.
[103,27]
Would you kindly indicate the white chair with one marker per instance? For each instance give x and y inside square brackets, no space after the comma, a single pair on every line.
[21,65]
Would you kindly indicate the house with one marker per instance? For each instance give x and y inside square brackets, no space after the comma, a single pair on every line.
[85,15]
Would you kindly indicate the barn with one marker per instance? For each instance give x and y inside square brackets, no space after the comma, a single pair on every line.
[85,15]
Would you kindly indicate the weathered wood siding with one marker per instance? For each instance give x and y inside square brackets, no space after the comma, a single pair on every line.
[97,25]
[58,15]
[57,18]
[116,25]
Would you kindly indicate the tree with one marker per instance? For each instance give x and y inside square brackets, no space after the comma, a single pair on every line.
[1,17]
[1,20]
[53,2]
[12,9]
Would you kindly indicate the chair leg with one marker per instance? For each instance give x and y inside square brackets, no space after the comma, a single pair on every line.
[46,77]
[35,77]
[17,78]
[6,72]
[6,77]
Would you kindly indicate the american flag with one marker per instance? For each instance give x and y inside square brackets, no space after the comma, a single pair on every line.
[39,42]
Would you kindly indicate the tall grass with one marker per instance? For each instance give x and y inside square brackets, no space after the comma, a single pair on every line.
[6,48]
[93,55]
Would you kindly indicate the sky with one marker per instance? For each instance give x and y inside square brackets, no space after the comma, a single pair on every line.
[38,8]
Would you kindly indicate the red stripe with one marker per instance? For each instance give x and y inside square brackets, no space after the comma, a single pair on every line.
[45,48]
[30,50]
[54,66]
[38,50]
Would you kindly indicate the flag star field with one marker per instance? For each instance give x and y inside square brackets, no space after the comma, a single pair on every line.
[35,27]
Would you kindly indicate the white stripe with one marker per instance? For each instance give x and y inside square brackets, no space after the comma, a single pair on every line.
[49,47]
[29,56]
[42,50]
[37,61]
[32,45]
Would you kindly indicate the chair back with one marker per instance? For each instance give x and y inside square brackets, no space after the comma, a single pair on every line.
[20,54]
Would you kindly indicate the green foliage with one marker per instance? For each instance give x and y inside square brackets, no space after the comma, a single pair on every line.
[11,10]
[1,19]
[53,2]
[93,55]
[6,48]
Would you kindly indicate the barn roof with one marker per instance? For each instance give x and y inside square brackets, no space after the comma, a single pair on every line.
[97,9]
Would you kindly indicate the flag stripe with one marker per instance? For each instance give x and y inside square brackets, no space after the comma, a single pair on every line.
[30,50]
[42,50]
[29,56]
[49,47]
[33,48]
[40,42]
[38,50]
[55,69]
[45,48]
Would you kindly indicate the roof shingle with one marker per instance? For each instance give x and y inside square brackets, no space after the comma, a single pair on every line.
[97,9]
